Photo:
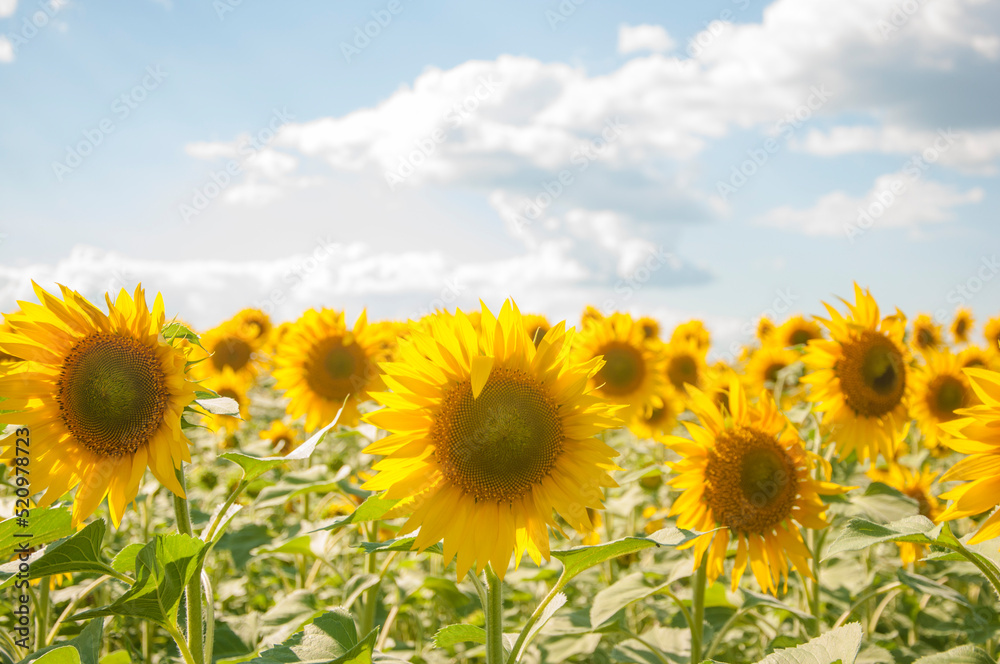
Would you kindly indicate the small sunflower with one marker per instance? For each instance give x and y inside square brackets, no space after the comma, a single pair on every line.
[762,369]
[102,395]
[927,335]
[992,334]
[977,434]
[765,329]
[859,379]
[692,333]
[661,419]
[232,385]
[632,374]
[685,364]
[591,314]
[489,435]
[536,326]
[961,325]
[321,362]
[797,331]
[718,376]
[939,389]
[282,437]
[227,346]
[974,357]
[751,476]
[915,484]
[650,327]
[255,326]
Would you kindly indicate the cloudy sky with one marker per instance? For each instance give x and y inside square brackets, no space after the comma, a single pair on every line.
[716,159]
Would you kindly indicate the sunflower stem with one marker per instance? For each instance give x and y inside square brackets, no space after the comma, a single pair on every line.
[195,639]
[371,595]
[815,603]
[42,609]
[494,618]
[698,610]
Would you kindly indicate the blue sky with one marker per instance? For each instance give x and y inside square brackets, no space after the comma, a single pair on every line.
[308,215]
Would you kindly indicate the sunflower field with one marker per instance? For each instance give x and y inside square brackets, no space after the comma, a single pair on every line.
[494,486]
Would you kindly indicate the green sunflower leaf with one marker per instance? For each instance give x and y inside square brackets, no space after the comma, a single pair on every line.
[330,639]
[839,646]
[220,406]
[84,649]
[45,524]
[861,534]
[179,331]
[581,558]
[373,509]
[452,635]
[959,655]
[78,553]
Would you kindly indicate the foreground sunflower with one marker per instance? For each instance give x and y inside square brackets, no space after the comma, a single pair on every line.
[977,434]
[632,374]
[102,394]
[6,358]
[751,476]
[939,389]
[915,484]
[489,436]
[961,325]
[859,379]
[321,362]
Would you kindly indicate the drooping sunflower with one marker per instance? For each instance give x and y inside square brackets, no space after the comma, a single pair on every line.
[321,362]
[685,364]
[102,395]
[927,335]
[977,434]
[633,368]
[232,385]
[692,333]
[489,435]
[536,326]
[227,346]
[282,437]
[859,379]
[650,326]
[939,389]
[915,484]
[961,325]
[797,331]
[752,476]
[255,325]
[661,419]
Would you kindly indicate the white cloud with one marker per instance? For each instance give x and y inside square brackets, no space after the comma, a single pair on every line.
[897,200]
[6,50]
[7,8]
[637,38]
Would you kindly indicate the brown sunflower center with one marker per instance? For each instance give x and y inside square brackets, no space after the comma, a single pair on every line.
[800,336]
[231,352]
[945,394]
[112,394]
[872,374]
[682,369]
[336,369]
[923,502]
[771,374]
[925,338]
[751,480]
[649,330]
[961,328]
[497,446]
[623,371]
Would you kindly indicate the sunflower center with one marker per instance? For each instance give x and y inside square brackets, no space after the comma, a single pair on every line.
[800,337]
[872,374]
[336,369]
[112,394]
[751,480]
[945,395]
[961,327]
[925,338]
[231,352]
[771,374]
[496,447]
[682,369]
[623,370]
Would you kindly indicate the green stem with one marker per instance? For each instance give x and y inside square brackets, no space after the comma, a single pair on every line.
[42,610]
[990,574]
[535,616]
[181,644]
[653,649]
[815,605]
[717,639]
[698,613]
[195,638]
[71,606]
[494,618]
[371,595]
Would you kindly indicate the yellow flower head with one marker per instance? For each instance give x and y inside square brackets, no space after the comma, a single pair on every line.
[685,364]
[765,329]
[927,335]
[255,326]
[939,389]
[763,367]
[859,379]
[232,385]
[915,484]
[751,476]
[650,327]
[961,326]
[227,346]
[797,331]
[282,437]
[102,395]
[489,436]
[536,326]
[693,334]
[661,418]
[992,334]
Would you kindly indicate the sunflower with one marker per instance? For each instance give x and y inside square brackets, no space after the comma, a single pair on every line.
[762,370]
[591,314]
[765,329]
[7,359]
[685,364]
[692,333]
[321,362]
[962,324]
[992,334]
[489,435]
[915,484]
[102,395]
[283,438]
[661,419]
[939,389]
[977,434]
[633,368]
[536,327]
[232,385]
[974,356]
[859,379]
[751,477]
[797,331]
[650,327]
[927,335]
[718,376]
[255,326]
[227,346]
